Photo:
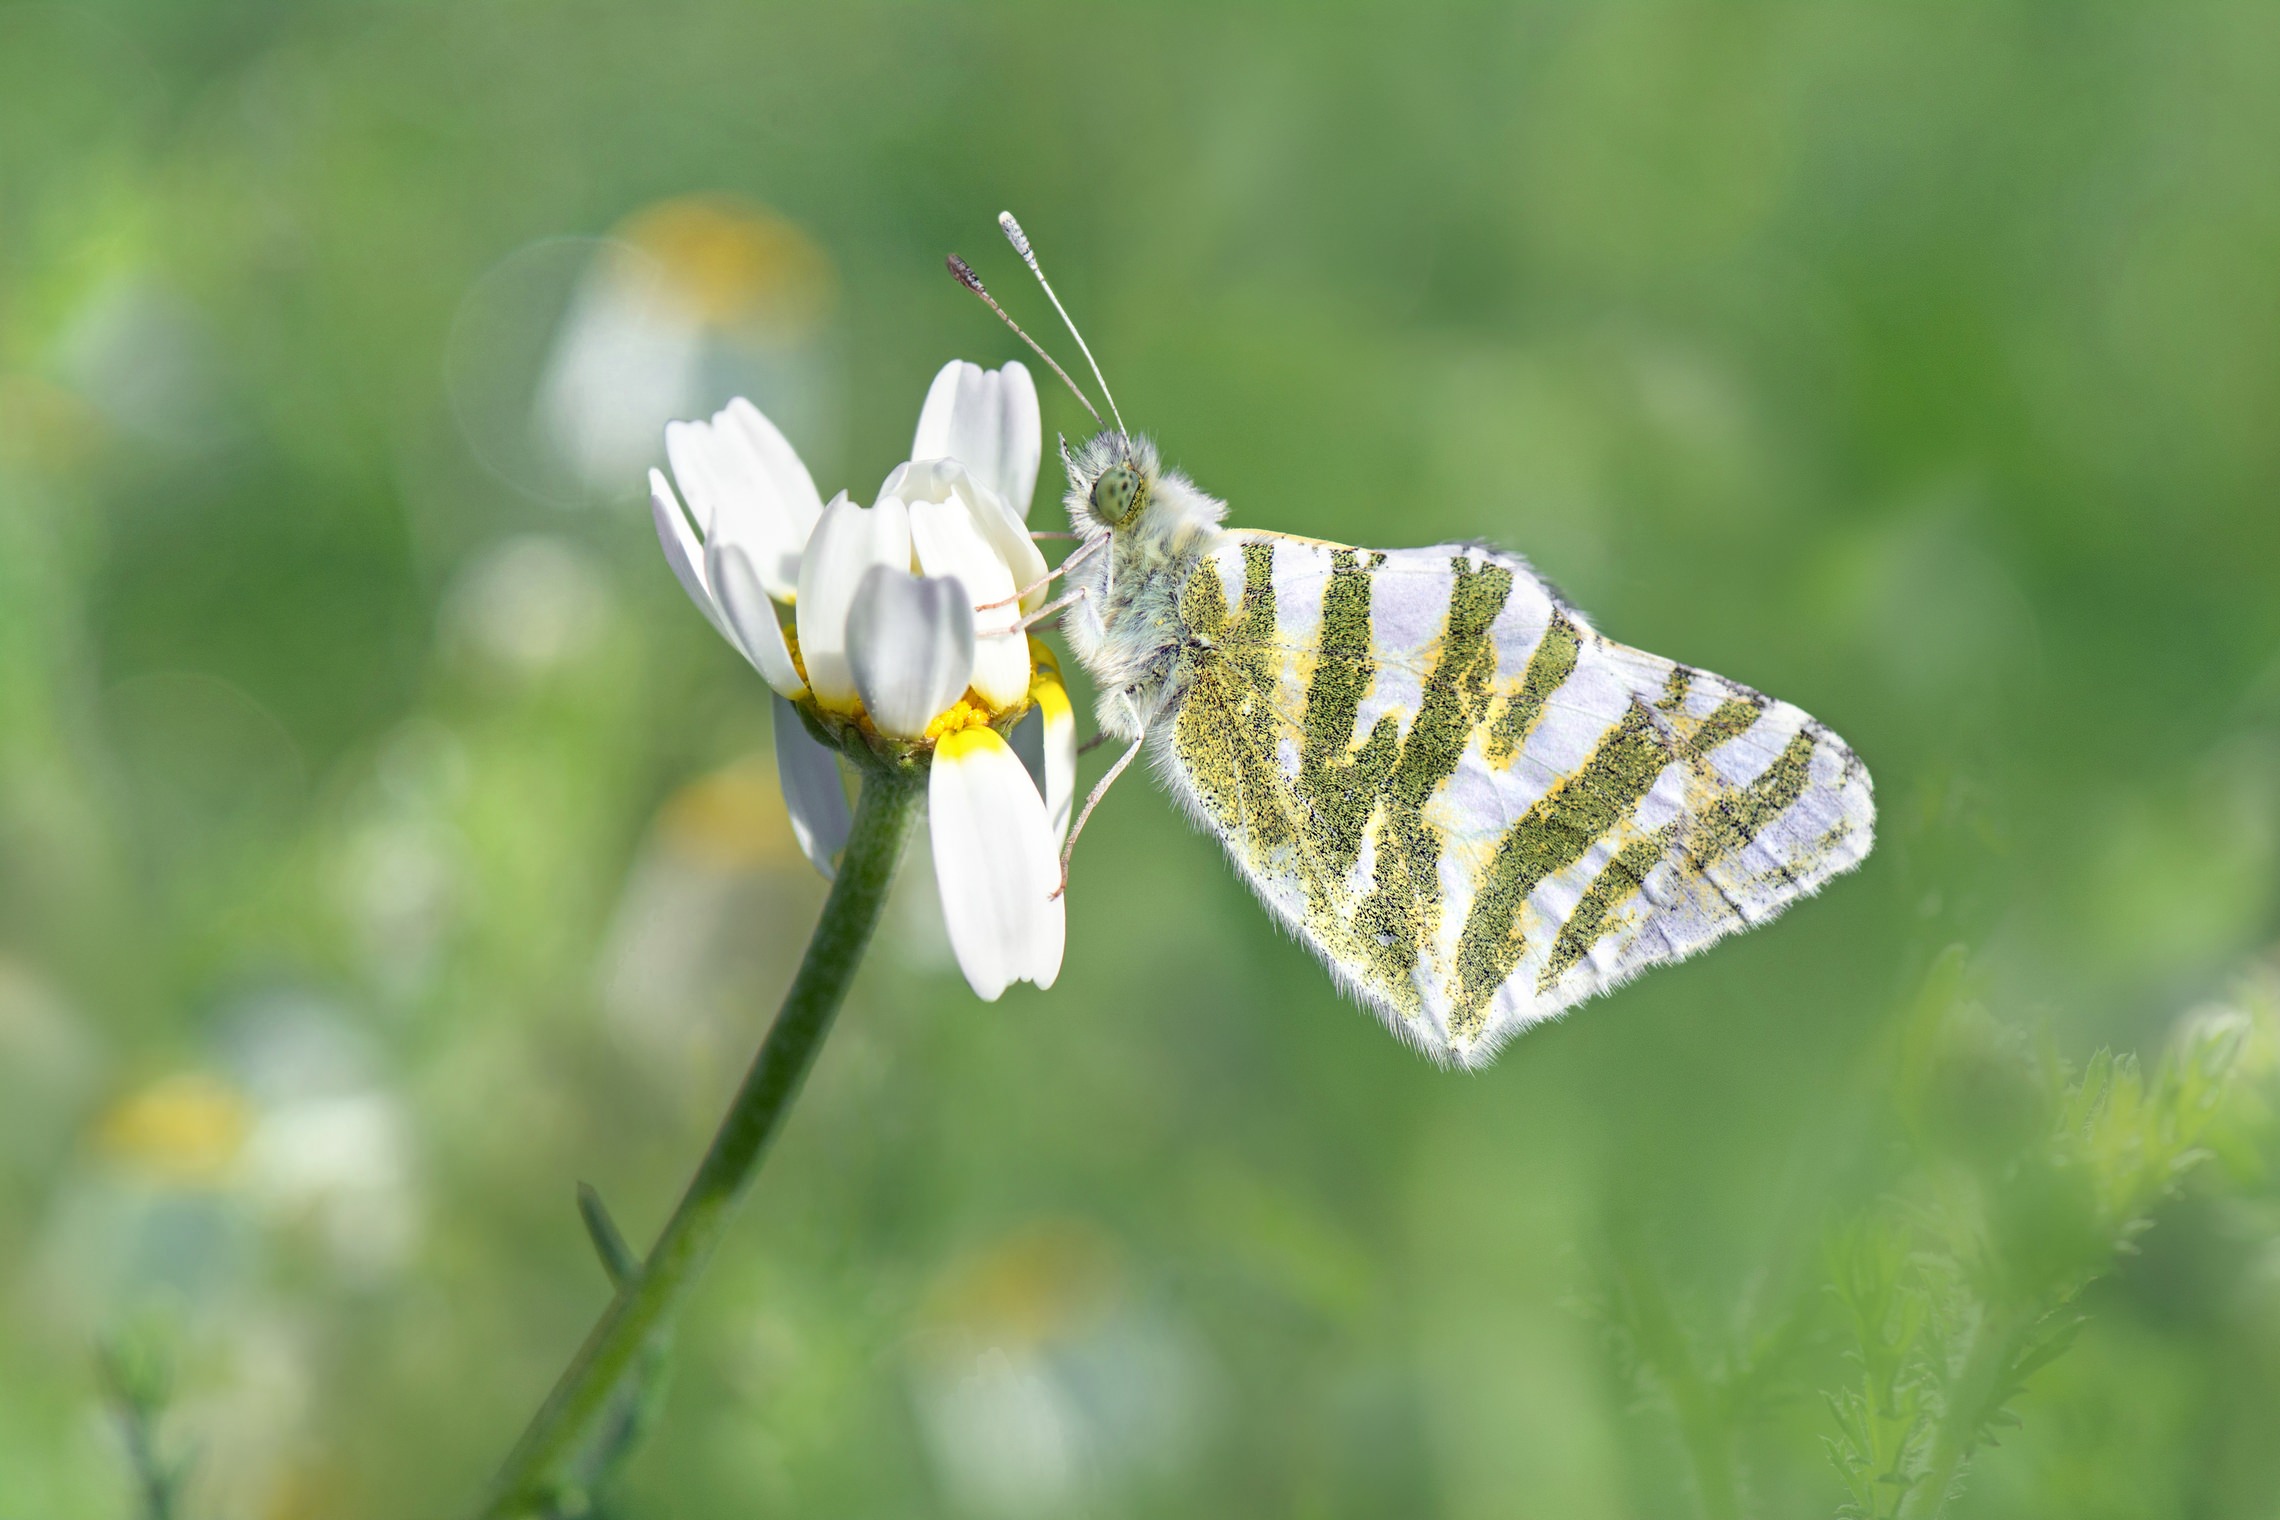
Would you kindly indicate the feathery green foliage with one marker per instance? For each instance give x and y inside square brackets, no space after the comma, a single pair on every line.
[2023,1182]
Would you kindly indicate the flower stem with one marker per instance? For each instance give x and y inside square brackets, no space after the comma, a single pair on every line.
[885,814]
[1971,1398]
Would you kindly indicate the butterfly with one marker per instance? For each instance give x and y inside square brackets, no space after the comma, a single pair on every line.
[1475,808]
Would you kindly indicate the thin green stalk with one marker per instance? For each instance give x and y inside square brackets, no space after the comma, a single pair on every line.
[1701,1403]
[138,1380]
[884,817]
[1709,1442]
[1993,1344]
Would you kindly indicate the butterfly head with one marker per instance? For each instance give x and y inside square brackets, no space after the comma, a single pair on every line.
[1113,479]
[1116,485]
[1120,491]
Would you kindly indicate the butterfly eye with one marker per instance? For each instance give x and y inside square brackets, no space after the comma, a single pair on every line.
[1117,493]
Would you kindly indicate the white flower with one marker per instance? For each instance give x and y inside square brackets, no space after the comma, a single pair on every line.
[906,637]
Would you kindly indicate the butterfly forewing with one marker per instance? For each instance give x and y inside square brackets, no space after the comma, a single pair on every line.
[1476,809]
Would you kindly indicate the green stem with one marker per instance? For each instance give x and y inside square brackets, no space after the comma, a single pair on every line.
[1702,1406]
[884,817]
[1710,1451]
[1992,1346]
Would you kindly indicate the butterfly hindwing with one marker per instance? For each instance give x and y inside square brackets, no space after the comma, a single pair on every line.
[1476,809]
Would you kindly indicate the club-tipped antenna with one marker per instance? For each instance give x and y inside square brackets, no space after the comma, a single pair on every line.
[1020,241]
[973,282]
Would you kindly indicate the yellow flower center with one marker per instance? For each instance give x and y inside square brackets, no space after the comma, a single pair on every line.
[969,711]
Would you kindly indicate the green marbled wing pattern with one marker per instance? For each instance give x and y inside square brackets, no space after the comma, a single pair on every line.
[1476,809]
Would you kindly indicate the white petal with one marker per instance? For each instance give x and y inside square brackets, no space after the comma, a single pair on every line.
[794,503]
[813,796]
[847,542]
[943,536]
[746,484]
[919,480]
[1046,740]
[751,615]
[682,551]
[988,421]
[689,448]
[928,479]
[995,864]
[910,641]
[940,409]
[1012,542]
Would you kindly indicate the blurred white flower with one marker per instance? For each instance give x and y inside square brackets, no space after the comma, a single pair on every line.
[329,1148]
[629,350]
[148,361]
[194,1186]
[401,879]
[530,605]
[1043,1386]
[907,632]
[340,1162]
[1007,1437]
[687,299]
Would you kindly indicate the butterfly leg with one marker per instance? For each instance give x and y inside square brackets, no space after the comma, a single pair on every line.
[1046,611]
[1092,802]
[1050,576]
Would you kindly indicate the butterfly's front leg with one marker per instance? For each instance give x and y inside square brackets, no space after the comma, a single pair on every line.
[1092,801]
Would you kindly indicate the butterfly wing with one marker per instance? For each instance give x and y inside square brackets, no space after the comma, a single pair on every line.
[1472,806]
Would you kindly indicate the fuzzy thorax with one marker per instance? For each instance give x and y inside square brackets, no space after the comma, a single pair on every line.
[1126,627]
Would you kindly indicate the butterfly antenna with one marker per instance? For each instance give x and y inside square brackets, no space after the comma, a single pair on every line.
[1020,241]
[973,282]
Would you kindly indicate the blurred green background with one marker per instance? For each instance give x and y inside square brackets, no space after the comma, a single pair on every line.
[387,845]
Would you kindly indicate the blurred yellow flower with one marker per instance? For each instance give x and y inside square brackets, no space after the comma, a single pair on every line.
[186,1130]
[735,262]
[732,819]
